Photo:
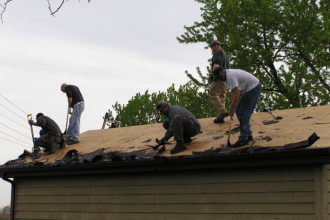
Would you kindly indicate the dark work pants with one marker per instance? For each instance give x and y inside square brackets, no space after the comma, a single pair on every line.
[47,142]
[182,127]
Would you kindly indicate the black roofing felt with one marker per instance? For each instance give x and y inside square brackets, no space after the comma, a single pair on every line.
[139,161]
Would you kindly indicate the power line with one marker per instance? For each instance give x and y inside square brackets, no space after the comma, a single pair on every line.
[13,112]
[12,141]
[14,137]
[14,130]
[14,121]
[33,129]
[13,104]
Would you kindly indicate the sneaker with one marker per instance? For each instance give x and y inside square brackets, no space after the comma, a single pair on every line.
[179,147]
[70,142]
[240,143]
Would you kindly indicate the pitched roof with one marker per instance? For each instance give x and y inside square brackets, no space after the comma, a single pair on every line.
[135,143]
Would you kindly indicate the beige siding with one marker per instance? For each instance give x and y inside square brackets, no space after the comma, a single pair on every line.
[327,189]
[229,194]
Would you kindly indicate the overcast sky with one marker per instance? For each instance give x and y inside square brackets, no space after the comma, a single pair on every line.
[110,49]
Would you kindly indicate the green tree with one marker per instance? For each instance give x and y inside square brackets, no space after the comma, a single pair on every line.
[286,44]
[5,213]
[140,109]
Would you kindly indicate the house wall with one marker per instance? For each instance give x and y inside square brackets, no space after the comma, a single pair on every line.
[262,193]
[326,189]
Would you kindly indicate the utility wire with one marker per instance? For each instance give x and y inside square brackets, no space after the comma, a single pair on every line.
[14,130]
[12,141]
[13,112]
[24,126]
[14,137]
[13,104]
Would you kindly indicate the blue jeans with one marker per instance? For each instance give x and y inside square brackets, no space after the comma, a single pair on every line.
[74,122]
[245,109]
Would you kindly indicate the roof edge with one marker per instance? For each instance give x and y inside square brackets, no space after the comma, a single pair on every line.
[179,163]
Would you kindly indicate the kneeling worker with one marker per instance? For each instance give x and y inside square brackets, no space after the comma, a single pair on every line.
[50,136]
[246,90]
[181,124]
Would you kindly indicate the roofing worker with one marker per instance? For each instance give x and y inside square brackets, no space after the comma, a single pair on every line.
[218,90]
[76,102]
[246,90]
[181,124]
[50,135]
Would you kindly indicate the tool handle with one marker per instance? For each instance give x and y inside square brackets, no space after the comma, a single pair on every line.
[29,117]
[105,119]
[103,125]
[229,130]
[67,119]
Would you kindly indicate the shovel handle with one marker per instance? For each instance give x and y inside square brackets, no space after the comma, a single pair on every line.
[67,119]
[29,117]
[229,131]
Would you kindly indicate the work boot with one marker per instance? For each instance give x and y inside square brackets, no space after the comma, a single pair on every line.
[63,143]
[70,142]
[52,150]
[187,139]
[240,143]
[179,147]
[220,118]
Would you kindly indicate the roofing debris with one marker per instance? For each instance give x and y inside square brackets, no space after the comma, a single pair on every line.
[98,156]
[137,143]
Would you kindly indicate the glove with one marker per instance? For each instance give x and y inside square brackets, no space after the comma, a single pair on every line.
[161,141]
[31,122]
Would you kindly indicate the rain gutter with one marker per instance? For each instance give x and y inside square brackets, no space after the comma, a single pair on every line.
[13,193]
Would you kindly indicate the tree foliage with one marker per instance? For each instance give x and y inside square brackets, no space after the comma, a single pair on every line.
[286,44]
[5,213]
[140,109]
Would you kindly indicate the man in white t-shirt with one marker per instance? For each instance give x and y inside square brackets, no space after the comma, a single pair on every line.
[246,90]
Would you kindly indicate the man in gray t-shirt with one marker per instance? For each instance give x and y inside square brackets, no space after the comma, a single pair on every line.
[246,90]
[181,124]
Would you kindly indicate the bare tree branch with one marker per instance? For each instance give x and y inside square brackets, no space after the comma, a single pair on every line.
[50,8]
[4,7]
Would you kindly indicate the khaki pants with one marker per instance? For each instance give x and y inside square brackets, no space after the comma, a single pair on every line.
[217,96]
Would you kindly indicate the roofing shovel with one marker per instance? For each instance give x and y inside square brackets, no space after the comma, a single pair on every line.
[105,119]
[229,131]
[272,113]
[35,149]
[67,119]
[29,117]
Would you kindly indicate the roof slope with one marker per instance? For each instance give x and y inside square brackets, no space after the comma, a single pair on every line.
[295,126]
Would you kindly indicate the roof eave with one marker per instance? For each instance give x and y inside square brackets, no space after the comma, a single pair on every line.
[180,163]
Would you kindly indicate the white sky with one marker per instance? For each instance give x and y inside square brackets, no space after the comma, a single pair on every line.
[110,49]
